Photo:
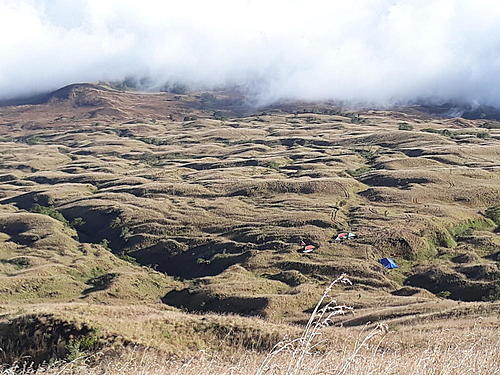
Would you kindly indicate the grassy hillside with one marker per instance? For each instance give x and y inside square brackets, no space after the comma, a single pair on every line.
[158,207]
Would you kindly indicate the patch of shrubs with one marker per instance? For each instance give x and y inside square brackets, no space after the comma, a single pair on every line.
[77,222]
[493,213]
[358,172]
[105,243]
[32,140]
[150,158]
[444,294]
[80,347]
[405,126]
[483,135]
[490,125]
[128,258]
[49,211]
[19,262]
[153,141]
[455,134]
[54,214]
[369,155]
[444,132]
[357,119]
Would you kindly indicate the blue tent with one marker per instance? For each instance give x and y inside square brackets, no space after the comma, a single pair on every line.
[388,263]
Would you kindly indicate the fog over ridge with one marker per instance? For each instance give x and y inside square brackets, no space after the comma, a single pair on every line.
[366,51]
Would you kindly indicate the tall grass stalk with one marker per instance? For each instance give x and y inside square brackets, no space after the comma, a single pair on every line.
[304,347]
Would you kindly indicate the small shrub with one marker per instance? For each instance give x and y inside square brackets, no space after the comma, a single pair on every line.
[105,243]
[82,346]
[149,158]
[153,141]
[357,119]
[443,294]
[33,140]
[128,258]
[358,172]
[446,133]
[49,211]
[272,164]
[125,233]
[20,262]
[444,239]
[101,282]
[369,155]
[483,135]
[77,222]
[489,125]
[116,222]
[202,261]
[493,213]
[405,126]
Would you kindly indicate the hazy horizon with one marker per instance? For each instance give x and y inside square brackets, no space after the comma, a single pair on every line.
[381,52]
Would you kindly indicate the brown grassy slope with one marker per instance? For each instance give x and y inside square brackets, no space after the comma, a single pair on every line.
[41,261]
[453,349]
[223,202]
[42,331]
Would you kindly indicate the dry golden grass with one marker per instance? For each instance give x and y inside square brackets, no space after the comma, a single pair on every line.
[219,201]
[454,348]
[470,353]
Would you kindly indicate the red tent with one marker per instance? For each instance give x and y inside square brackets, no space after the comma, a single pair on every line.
[308,248]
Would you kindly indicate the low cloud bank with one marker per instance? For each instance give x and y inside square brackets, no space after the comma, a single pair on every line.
[380,52]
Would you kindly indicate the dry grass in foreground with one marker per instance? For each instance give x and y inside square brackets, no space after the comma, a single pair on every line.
[445,351]
[473,352]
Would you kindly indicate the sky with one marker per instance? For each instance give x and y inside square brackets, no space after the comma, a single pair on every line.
[380,52]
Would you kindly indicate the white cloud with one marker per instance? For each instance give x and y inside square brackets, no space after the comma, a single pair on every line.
[379,51]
